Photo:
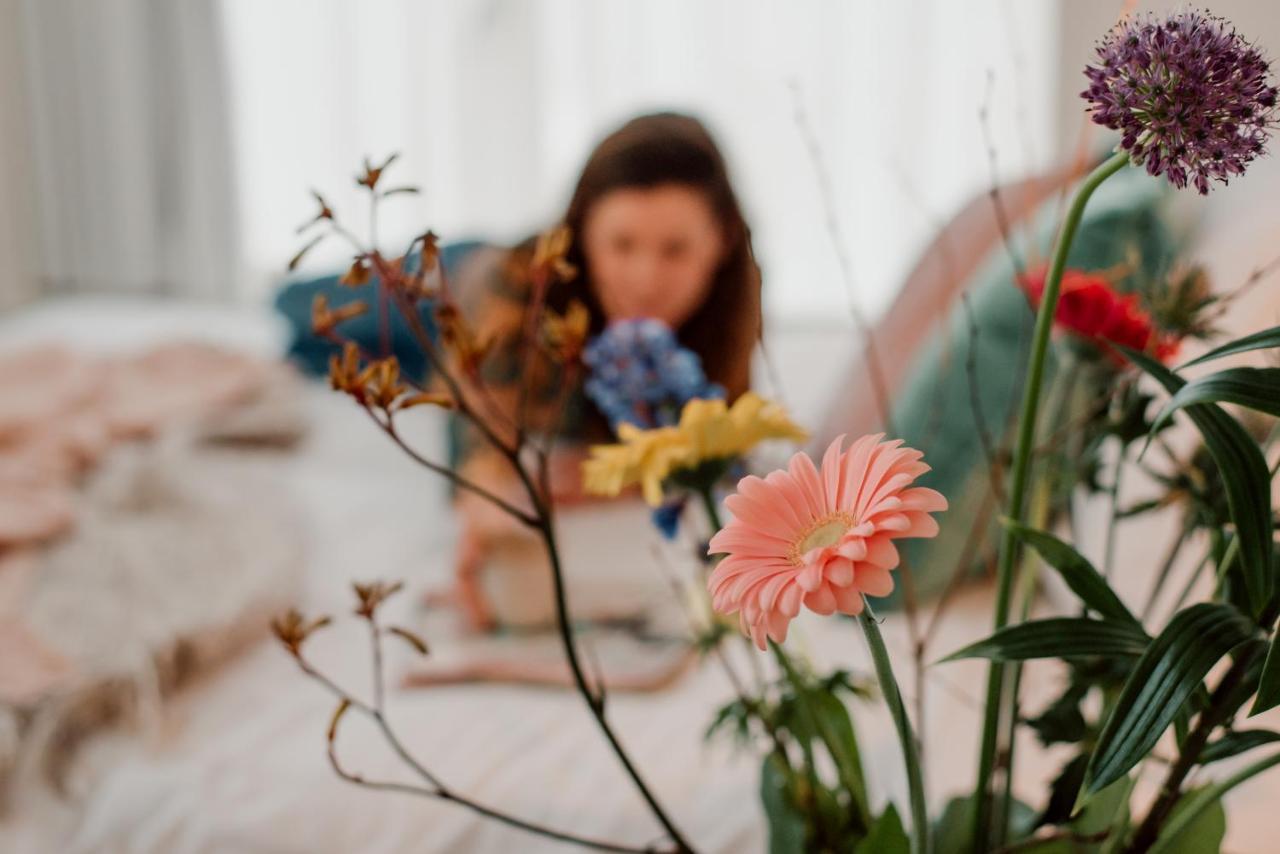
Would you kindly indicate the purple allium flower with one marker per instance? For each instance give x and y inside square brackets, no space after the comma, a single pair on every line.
[641,375]
[1191,97]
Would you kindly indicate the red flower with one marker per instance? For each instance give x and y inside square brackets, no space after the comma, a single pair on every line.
[1090,308]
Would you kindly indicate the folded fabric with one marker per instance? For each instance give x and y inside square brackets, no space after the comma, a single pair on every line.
[61,411]
[183,546]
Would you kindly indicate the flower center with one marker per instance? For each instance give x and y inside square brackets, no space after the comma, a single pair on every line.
[825,532]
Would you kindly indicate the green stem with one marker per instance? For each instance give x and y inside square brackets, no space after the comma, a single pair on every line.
[1166,566]
[713,511]
[1191,582]
[910,750]
[1109,546]
[1018,487]
[1228,558]
[1027,582]
[1218,711]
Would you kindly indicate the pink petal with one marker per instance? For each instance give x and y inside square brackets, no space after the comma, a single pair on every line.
[831,473]
[882,552]
[743,539]
[810,485]
[810,577]
[759,515]
[821,601]
[789,601]
[894,522]
[856,460]
[922,525]
[778,624]
[853,548]
[765,493]
[923,499]
[840,571]
[848,600]
[873,580]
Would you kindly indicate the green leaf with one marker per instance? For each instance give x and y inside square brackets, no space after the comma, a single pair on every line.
[1162,680]
[1187,813]
[836,731]
[1269,685]
[1257,341]
[786,824]
[1057,637]
[1085,581]
[1064,790]
[1255,388]
[1235,743]
[1245,477]
[952,831]
[1201,832]
[1062,721]
[886,836]
[1105,810]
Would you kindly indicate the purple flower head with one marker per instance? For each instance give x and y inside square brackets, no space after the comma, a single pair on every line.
[1192,99]
[639,374]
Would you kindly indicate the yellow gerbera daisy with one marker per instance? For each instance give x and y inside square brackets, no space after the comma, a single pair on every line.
[708,430]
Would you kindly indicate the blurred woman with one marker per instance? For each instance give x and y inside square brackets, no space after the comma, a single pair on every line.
[656,232]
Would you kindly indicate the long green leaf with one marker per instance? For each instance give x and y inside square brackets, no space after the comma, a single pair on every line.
[1191,808]
[1058,637]
[1235,743]
[786,824]
[1085,581]
[1257,341]
[1161,681]
[1244,474]
[1255,388]
[835,729]
[1269,685]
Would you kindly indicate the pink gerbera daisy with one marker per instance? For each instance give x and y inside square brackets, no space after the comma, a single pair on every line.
[821,538]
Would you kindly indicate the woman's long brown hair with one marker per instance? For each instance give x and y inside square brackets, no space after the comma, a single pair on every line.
[669,148]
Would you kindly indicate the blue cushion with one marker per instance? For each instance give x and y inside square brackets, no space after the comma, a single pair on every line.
[1126,221]
[311,353]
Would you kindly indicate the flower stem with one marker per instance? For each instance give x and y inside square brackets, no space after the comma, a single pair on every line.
[595,699]
[910,750]
[1018,486]
[713,511]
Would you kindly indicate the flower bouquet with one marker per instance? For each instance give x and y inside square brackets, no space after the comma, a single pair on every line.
[1194,104]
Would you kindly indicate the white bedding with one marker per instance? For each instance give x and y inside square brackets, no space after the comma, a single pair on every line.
[237,763]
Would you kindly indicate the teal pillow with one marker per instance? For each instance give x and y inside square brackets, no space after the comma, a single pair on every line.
[1126,222]
[311,353]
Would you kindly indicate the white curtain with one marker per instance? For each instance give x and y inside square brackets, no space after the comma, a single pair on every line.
[18,252]
[174,142]
[128,122]
[494,105]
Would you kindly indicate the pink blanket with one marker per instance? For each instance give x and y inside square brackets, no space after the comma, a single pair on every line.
[60,411]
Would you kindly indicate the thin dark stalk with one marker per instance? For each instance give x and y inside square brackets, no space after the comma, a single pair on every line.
[982,813]
[1166,565]
[595,702]
[449,474]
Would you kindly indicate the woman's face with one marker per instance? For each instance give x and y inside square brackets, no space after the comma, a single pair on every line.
[652,252]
